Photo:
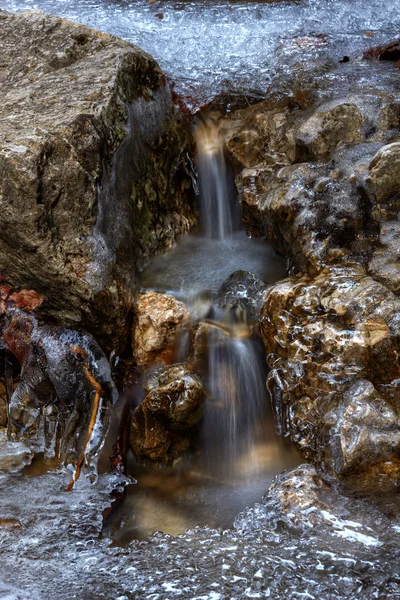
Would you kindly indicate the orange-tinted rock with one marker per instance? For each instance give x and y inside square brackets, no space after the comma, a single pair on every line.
[158,318]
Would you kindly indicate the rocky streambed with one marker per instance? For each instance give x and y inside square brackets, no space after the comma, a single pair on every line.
[97,176]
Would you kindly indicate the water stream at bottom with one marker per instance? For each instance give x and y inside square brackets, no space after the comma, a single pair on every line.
[238,451]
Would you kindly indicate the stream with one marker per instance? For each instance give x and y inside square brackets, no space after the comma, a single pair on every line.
[206,528]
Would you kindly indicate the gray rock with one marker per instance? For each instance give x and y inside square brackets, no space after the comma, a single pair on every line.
[92,169]
[384,173]
[243,290]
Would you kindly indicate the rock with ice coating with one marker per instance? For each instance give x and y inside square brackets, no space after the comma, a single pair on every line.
[163,423]
[332,345]
[92,161]
[65,391]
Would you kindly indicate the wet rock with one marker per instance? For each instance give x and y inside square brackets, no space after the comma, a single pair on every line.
[385,262]
[332,346]
[158,318]
[93,169]
[306,503]
[3,406]
[314,178]
[163,423]
[330,127]
[65,391]
[384,173]
[365,428]
[243,291]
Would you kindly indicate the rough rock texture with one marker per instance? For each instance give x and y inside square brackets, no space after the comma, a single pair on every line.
[332,343]
[162,424]
[65,391]
[319,177]
[3,406]
[158,318]
[245,291]
[319,167]
[92,172]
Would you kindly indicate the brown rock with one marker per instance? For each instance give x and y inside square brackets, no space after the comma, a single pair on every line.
[330,127]
[158,318]
[92,162]
[3,406]
[163,423]
[332,346]
[384,173]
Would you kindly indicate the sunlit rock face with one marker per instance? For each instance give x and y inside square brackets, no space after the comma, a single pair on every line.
[158,319]
[92,156]
[332,343]
[162,426]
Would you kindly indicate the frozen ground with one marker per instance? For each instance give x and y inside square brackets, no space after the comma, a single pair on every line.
[218,46]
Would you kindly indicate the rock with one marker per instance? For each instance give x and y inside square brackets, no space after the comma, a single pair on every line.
[163,423]
[93,169]
[245,291]
[385,262]
[329,127]
[158,318]
[3,406]
[300,500]
[384,174]
[332,342]
[65,391]
[365,429]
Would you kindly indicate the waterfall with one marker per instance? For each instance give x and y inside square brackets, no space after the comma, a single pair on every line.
[237,403]
[219,210]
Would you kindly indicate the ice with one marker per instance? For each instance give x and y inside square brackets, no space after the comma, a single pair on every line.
[212,47]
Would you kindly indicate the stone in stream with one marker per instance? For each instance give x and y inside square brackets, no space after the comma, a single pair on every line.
[93,175]
[158,319]
[245,290]
[163,424]
[332,344]
[3,406]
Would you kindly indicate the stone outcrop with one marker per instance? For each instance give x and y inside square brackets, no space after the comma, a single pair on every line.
[332,344]
[92,169]
[158,319]
[162,425]
[319,177]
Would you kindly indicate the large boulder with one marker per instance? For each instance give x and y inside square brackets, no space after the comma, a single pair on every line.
[332,343]
[92,169]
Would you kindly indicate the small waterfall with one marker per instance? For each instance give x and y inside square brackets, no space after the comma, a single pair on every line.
[237,404]
[219,210]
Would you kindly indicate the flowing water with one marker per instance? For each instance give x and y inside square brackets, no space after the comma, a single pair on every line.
[239,449]
[351,550]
